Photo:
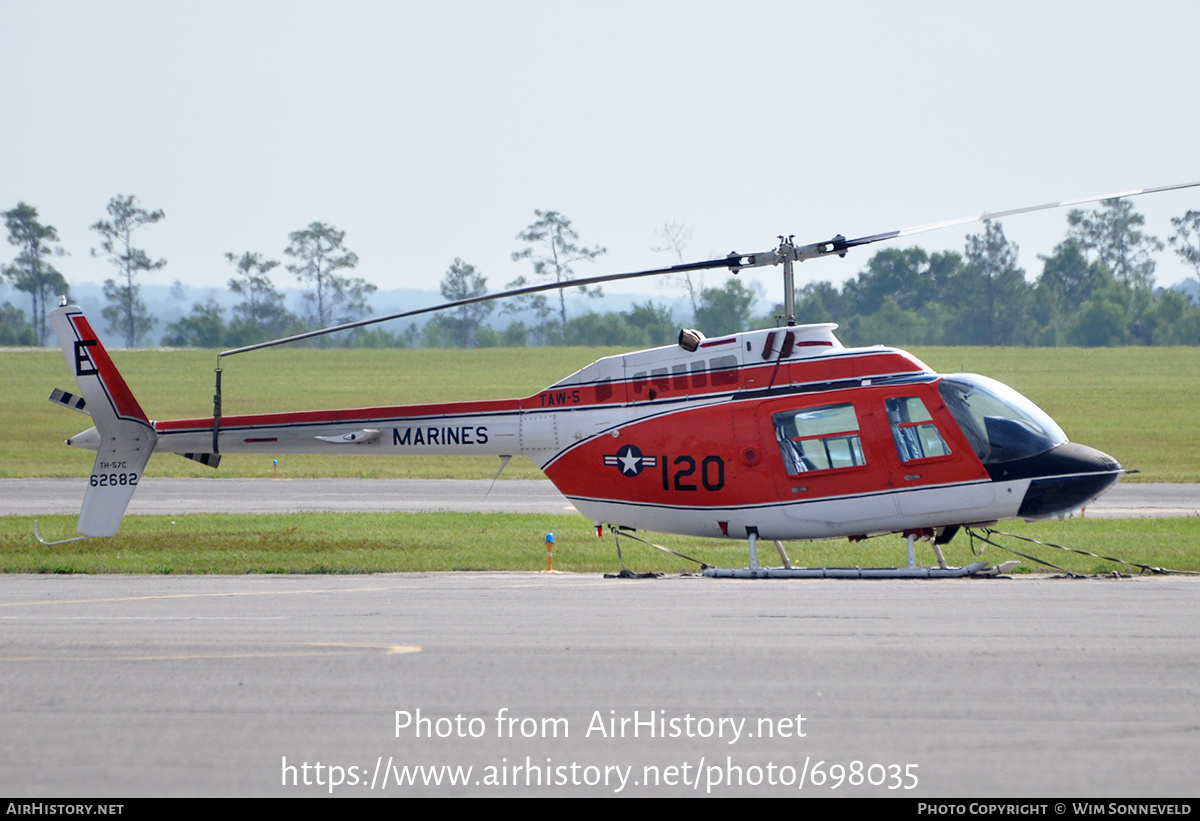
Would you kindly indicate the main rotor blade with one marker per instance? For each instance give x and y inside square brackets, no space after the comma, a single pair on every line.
[934,226]
[733,262]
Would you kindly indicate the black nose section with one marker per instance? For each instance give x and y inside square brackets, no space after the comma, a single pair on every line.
[1064,478]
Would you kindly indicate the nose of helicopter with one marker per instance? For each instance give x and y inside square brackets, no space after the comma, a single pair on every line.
[1063,478]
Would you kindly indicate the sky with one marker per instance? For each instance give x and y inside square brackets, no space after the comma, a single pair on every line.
[432,131]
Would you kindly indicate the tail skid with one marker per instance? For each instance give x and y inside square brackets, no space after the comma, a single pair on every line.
[124,436]
[38,536]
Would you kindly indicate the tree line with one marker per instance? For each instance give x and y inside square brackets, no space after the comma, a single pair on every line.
[318,260]
[1095,288]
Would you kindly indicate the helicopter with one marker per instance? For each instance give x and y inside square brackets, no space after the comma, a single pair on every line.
[780,434]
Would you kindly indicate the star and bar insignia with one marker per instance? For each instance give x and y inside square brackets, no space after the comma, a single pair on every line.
[630,460]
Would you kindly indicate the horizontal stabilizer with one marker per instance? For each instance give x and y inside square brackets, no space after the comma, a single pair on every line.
[207,459]
[69,400]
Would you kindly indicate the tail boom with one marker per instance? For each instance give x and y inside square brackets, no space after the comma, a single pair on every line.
[486,428]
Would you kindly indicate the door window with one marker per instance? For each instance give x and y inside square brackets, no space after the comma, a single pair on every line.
[822,438]
[913,431]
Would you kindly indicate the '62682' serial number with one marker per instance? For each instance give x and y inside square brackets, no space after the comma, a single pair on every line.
[113,479]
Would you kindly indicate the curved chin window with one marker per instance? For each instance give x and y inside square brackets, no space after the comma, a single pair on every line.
[1001,424]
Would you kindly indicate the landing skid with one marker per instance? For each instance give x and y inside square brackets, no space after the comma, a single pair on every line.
[976,569]
[911,572]
[973,569]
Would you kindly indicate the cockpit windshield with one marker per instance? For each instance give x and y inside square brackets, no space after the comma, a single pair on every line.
[1001,424]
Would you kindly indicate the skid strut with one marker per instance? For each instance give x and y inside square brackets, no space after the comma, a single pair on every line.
[912,571]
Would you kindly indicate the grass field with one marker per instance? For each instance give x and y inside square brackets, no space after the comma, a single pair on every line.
[380,543]
[1138,404]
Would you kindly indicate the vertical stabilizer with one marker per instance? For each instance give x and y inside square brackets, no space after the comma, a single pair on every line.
[126,437]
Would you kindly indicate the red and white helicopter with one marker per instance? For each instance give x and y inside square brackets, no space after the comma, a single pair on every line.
[778,434]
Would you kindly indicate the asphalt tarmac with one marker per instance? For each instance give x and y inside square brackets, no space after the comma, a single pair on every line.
[561,684]
[551,685]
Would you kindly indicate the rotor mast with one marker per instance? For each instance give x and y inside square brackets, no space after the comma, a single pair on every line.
[787,254]
[789,280]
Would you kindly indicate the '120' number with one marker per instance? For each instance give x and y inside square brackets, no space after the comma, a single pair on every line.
[711,474]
